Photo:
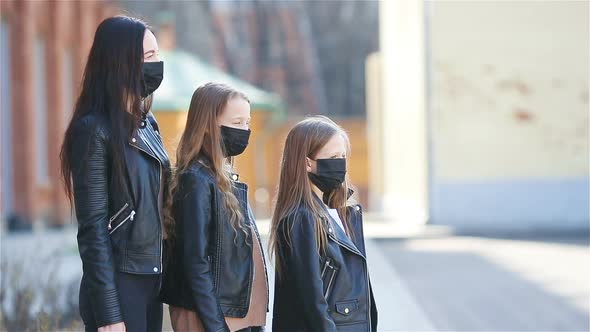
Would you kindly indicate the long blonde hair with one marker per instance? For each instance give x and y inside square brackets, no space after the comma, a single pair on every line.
[305,139]
[202,139]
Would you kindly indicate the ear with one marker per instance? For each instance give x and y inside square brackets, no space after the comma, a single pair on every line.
[308,164]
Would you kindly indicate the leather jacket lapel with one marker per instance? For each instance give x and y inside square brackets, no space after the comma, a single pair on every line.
[336,233]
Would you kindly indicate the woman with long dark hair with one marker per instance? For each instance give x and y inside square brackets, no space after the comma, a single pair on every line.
[114,167]
[215,279]
[322,280]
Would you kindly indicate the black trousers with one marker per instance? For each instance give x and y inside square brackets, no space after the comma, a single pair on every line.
[138,295]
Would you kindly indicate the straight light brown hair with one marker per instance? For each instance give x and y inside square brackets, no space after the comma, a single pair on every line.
[201,139]
[306,139]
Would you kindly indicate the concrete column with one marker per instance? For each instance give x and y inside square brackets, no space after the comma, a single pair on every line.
[22,110]
[375,142]
[85,23]
[56,107]
[403,122]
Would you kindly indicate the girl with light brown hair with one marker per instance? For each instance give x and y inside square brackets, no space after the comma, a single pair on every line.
[322,281]
[215,275]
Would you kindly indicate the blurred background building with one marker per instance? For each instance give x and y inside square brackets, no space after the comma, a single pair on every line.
[479,128]
[43,49]
[302,62]
[481,118]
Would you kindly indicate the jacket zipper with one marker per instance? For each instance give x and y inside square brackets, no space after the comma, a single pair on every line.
[129,217]
[161,221]
[159,192]
[368,296]
[159,207]
[117,214]
[331,280]
[366,273]
[332,277]
[324,269]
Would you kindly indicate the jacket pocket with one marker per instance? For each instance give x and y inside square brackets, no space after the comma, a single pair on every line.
[346,308]
[122,216]
[328,276]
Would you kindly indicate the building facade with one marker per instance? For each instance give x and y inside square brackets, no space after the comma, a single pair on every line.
[479,115]
[43,49]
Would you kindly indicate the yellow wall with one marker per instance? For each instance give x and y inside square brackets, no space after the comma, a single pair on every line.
[171,125]
[357,161]
[249,165]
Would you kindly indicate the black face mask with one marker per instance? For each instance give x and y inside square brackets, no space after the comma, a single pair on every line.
[235,140]
[153,74]
[330,174]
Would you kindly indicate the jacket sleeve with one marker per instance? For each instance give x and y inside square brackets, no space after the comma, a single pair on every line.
[89,162]
[194,212]
[304,260]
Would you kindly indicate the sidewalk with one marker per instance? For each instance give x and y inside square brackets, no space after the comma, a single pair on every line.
[428,278]
[466,283]
[398,310]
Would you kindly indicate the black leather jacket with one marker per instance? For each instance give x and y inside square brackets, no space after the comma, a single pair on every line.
[118,229]
[210,266]
[330,292]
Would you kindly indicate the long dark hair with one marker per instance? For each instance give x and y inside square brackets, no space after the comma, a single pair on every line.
[111,87]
